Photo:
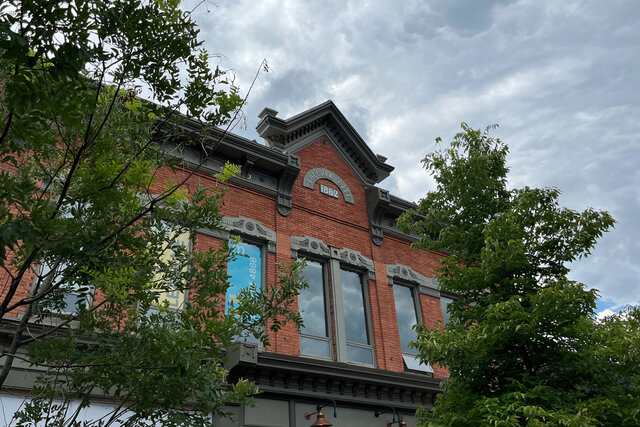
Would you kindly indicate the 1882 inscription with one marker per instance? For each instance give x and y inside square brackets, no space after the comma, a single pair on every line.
[328,191]
[310,178]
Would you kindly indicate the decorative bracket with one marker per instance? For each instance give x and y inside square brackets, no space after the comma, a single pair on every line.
[247,165]
[426,285]
[285,184]
[378,201]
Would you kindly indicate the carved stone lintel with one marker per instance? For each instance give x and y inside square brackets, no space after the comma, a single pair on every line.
[426,285]
[313,246]
[244,226]
[285,184]
[355,259]
[309,245]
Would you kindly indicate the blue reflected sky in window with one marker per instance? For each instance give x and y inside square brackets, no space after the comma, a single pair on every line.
[311,301]
[406,313]
[244,270]
[353,303]
[444,302]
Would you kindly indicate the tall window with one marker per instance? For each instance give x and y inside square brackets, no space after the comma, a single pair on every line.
[245,269]
[314,335]
[335,306]
[407,312]
[355,318]
[174,298]
[74,295]
[444,302]
[352,332]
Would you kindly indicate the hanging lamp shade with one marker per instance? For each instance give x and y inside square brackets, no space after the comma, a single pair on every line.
[320,419]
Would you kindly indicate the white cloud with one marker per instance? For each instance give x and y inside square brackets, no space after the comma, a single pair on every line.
[560,78]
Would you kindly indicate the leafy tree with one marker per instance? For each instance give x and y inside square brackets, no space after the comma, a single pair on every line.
[87,225]
[523,346]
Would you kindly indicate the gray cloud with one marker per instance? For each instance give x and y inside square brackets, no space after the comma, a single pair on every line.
[561,78]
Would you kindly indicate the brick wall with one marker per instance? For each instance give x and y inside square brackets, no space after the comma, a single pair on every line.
[337,223]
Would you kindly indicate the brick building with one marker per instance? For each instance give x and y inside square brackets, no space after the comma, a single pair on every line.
[312,192]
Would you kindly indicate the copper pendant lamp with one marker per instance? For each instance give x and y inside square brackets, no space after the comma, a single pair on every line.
[320,419]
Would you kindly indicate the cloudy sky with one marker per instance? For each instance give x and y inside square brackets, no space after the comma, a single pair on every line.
[562,78]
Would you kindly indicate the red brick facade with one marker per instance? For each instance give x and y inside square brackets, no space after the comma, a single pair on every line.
[341,225]
[277,199]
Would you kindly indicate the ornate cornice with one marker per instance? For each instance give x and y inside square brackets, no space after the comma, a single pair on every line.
[324,120]
[281,375]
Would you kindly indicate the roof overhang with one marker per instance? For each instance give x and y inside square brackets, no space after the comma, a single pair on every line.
[296,132]
[280,375]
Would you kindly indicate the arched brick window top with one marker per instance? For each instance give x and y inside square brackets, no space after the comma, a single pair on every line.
[313,175]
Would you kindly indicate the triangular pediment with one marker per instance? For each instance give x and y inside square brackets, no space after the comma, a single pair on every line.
[324,120]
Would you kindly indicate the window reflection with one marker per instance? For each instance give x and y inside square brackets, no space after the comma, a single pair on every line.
[406,313]
[311,301]
[244,270]
[355,318]
[353,302]
[314,339]
[444,302]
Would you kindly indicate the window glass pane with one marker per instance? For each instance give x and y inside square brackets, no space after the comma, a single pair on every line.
[412,363]
[244,270]
[70,303]
[445,305]
[353,303]
[71,300]
[406,312]
[314,346]
[174,298]
[311,301]
[359,354]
